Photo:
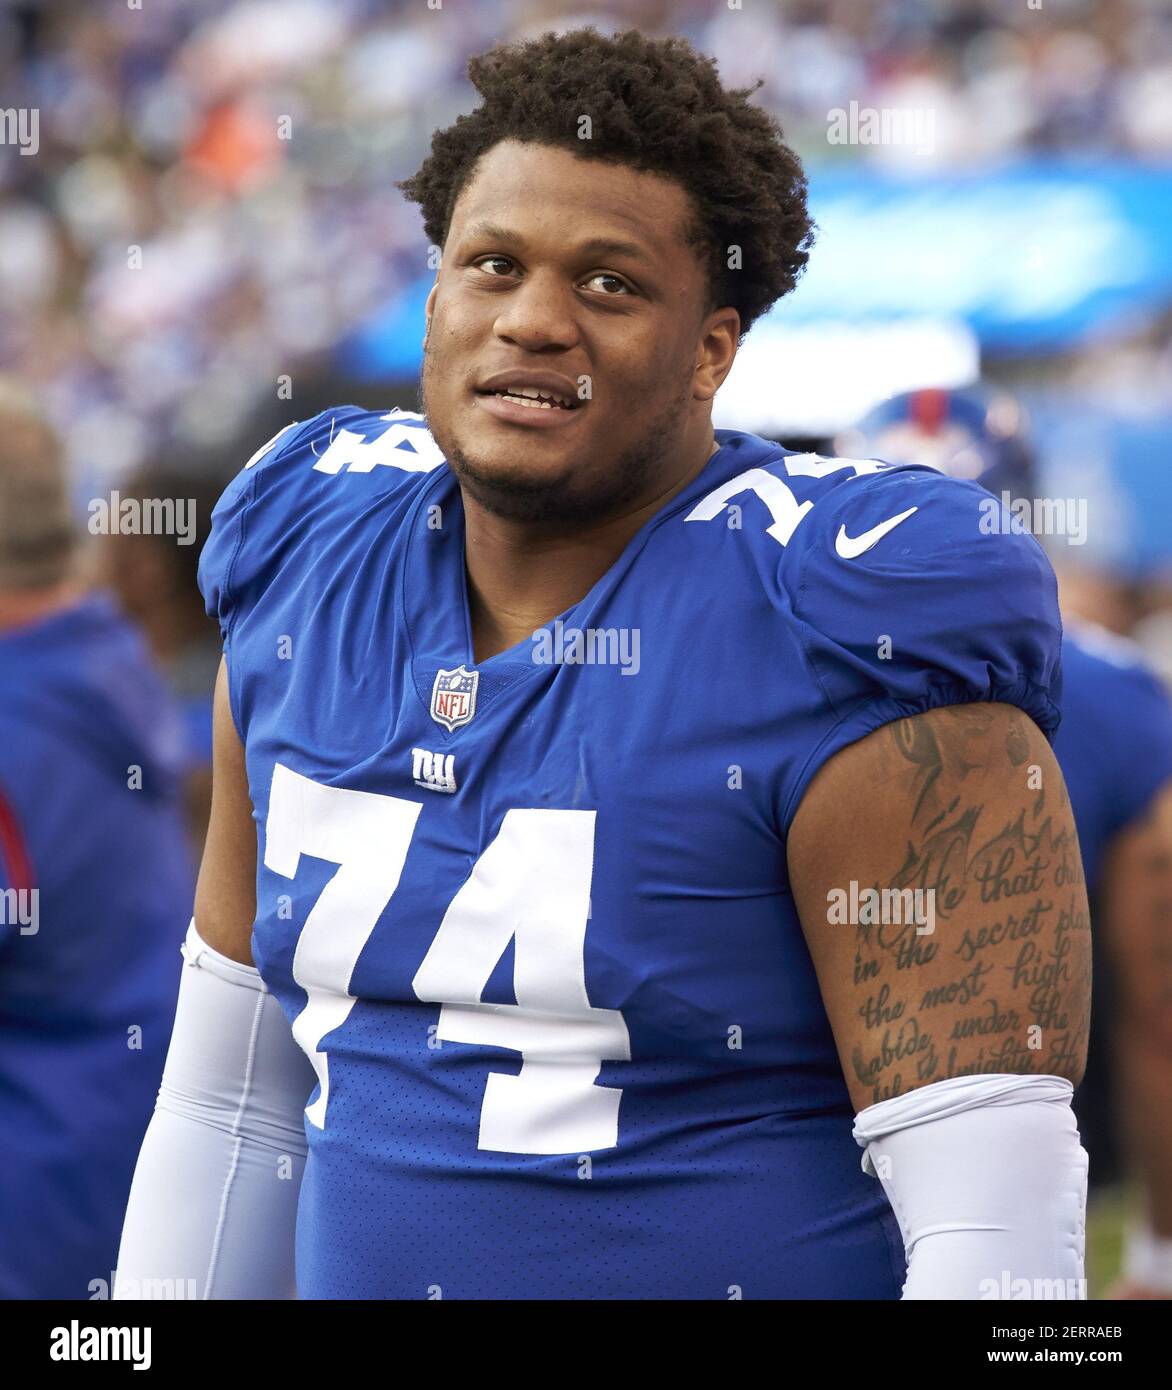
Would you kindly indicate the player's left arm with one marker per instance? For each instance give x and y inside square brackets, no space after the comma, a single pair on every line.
[967,804]
[960,1012]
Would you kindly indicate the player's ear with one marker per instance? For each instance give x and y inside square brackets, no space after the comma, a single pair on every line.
[718,347]
[428,305]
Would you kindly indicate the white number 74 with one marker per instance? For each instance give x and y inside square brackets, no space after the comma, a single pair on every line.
[532,883]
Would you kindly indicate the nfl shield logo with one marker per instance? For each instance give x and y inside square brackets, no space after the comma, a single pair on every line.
[453,697]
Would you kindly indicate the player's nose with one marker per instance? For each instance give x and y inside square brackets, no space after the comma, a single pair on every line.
[539,314]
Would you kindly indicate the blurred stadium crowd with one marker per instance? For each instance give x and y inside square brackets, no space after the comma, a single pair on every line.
[204,218]
[260,247]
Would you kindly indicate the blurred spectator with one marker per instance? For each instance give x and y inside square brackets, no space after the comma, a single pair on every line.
[95,887]
[151,570]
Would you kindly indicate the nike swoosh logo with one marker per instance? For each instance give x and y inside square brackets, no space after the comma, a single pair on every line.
[851,547]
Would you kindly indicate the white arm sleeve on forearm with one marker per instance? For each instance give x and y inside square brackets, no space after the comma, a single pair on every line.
[988,1181]
[213,1206]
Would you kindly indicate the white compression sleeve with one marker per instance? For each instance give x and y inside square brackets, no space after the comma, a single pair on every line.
[988,1181]
[213,1206]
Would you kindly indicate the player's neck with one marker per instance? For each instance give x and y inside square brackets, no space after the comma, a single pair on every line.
[520,577]
[26,607]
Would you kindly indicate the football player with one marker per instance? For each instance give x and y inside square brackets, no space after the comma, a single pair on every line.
[1115,749]
[94,866]
[609,816]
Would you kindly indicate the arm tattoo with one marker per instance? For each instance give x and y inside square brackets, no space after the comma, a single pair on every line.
[1000,980]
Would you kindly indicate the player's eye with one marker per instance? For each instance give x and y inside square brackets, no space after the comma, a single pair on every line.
[486,261]
[621,286]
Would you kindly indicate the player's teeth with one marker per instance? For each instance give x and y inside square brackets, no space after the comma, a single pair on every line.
[531,398]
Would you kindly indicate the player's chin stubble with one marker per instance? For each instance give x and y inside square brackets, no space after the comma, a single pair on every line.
[634,475]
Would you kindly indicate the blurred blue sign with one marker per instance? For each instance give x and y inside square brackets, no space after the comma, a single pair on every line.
[1034,258]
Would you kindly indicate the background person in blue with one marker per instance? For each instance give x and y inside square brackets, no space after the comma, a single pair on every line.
[587,1011]
[152,573]
[1115,748]
[95,879]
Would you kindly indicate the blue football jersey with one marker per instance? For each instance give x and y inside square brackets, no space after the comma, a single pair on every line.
[96,880]
[530,918]
[1115,745]
[1115,750]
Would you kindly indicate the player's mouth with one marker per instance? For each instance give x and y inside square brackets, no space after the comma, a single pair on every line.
[536,399]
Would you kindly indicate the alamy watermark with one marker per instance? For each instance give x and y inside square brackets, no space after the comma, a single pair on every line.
[1009,1288]
[882,907]
[1039,516]
[21,126]
[78,1342]
[591,646]
[143,516]
[913,126]
[21,907]
[152,1289]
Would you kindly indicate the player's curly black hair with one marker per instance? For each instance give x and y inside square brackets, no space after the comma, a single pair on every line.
[657,105]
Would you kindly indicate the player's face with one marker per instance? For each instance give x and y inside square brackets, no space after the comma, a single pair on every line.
[572,277]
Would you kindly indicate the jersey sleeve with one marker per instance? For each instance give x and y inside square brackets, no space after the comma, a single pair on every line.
[261,512]
[220,555]
[948,605]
